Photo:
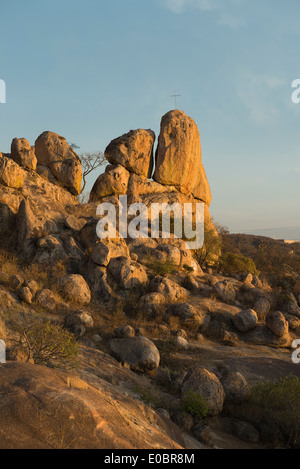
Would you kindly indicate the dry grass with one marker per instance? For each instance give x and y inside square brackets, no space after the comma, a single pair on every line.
[45,275]
[76,383]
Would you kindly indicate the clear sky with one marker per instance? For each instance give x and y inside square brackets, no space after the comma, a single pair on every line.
[92,70]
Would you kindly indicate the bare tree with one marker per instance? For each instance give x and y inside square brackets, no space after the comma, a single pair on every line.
[89,162]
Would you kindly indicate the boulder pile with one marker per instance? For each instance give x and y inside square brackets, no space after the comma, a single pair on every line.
[179,175]
[48,225]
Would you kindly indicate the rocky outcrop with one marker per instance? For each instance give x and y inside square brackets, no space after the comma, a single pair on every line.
[23,154]
[179,176]
[134,151]
[30,206]
[178,156]
[55,153]
[48,409]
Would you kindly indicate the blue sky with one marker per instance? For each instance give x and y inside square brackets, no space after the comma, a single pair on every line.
[92,70]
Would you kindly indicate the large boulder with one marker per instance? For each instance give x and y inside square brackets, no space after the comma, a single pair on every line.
[261,335]
[107,249]
[75,289]
[178,156]
[11,175]
[291,307]
[113,182]
[126,273]
[152,303]
[187,312]
[173,254]
[74,224]
[134,151]
[138,352]
[205,383]
[46,299]
[171,290]
[277,323]
[23,154]
[245,320]
[50,250]
[262,307]
[98,281]
[53,151]
[235,386]
[293,321]
[225,291]
[73,249]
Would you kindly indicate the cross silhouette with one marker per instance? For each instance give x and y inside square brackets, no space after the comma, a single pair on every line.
[175,96]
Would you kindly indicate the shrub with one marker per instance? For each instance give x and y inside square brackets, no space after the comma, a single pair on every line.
[194,404]
[43,341]
[279,405]
[211,249]
[231,263]
[161,268]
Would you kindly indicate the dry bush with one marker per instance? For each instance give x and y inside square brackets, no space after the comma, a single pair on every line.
[43,341]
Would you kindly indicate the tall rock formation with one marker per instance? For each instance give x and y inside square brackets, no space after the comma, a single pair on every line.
[179,175]
[178,156]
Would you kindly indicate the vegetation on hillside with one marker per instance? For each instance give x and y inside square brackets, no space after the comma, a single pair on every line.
[279,405]
[277,262]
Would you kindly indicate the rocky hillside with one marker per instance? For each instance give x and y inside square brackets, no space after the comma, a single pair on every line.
[127,343]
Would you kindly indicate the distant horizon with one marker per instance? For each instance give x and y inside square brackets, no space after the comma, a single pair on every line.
[286,233]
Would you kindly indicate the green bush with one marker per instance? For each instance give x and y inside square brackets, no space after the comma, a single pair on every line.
[231,263]
[161,268]
[44,341]
[279,405]
[194,404]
